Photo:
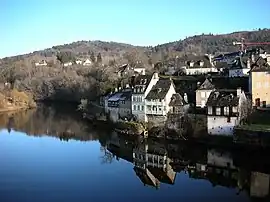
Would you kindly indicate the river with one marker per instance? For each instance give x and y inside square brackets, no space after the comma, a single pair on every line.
[50,154]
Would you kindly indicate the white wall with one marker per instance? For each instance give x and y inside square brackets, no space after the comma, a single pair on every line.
[168,97]
[192,71]
[141,114]
[218,125]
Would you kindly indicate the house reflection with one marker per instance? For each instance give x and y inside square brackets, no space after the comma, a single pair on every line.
[156,163]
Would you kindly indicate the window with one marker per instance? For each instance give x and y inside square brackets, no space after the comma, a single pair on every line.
[210,110]
[149,107]
[203,94]
[159,108]
[134,99]
[257,102]
[134,107]
[123,102]
[142,108]
[226,110]
[218,111]
[264,103]
[138,107]
[235,109]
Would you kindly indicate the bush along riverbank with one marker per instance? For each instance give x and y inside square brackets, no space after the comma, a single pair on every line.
[12,100]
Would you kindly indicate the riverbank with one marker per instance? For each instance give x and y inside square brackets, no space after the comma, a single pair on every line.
[14,100]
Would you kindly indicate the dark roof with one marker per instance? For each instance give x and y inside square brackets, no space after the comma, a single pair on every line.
[160,90]
[260,65]
[162,175]
[177,100]
[145,179]
[123,68]
[223,98]
[206,85]
[220,65]
[142,80]
[197,60]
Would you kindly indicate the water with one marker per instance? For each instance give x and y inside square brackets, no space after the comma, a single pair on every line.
[39,163]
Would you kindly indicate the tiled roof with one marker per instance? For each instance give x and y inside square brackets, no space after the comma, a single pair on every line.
[160,90]
[260,65]
[222,98]
[206,85]
[177,100]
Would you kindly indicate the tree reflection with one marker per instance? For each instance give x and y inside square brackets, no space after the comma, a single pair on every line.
[106,156]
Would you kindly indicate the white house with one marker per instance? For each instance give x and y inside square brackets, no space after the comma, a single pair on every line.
[66,64]
[158,99]
[78,62]
[203,93]
[225,110]
[141,87]
[41,63]
[199,65]
[139,70]
[87,62]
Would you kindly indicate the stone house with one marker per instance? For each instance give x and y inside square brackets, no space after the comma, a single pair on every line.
[118,105]
[259,83]
[178,104]
[239,68]
[203,93]
[66,64]
[158,99]
[225,110]
[141,86]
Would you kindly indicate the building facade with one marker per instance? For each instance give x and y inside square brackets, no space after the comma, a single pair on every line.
[203,93]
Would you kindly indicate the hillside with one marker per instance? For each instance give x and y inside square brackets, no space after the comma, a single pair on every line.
[57,82]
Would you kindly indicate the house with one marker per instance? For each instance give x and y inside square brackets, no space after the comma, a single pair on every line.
[78,62]
[41,63]
[66,64]
[203,93]
[124,70]
[152,162]
[141,84]
[259,82]
[199,65]
[87,62]
[225,110]
[119,105]
[158,99]
[178,104]
[139,68]
[239,68]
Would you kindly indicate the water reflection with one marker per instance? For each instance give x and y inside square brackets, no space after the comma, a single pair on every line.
[46,169]
[156,163]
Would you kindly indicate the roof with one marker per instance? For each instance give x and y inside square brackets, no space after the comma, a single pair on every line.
[177,100]
[123,67]
[160,90]
[197,60]
[206,85]
[145,179]
[222,98]
[162,176]
[260,65]
[120,96]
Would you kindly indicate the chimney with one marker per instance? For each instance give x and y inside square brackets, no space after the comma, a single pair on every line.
[201,63]
[191,63]
[238,91]
[155,75]
[253,58]
[185,98]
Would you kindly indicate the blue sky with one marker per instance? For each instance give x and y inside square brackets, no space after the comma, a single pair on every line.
[29,25]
